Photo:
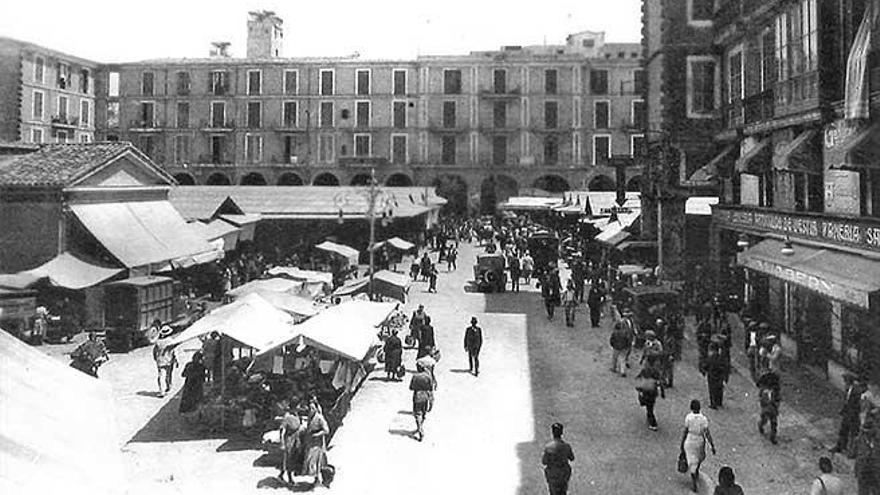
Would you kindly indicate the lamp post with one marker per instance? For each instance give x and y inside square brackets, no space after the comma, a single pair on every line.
[379,203]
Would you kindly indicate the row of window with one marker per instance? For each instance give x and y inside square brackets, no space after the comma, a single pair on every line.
[63,77]
[218,82]
[363,114]
[362,146]
[39,135]
[61,112]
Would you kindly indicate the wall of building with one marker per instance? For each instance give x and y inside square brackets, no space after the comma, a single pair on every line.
[10,96]
[31,229]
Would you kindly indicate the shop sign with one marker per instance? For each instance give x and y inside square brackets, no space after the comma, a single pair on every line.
[811,281]
[850,233]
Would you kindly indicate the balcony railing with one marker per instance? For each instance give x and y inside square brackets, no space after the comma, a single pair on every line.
[144,124]
[490,93]
[64,121]
[362,161]
[796,93]
[218,125]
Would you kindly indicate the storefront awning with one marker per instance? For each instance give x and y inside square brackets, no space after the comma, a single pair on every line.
[756,159]
[349,253]
[846,277]
[141,233]
[70,272]
[712,170]
[802,154]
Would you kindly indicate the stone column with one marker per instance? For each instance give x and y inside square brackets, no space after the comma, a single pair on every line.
[671,236]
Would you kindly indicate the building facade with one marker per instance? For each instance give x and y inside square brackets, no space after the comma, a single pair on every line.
[795,165]
[47,96]
[481,126]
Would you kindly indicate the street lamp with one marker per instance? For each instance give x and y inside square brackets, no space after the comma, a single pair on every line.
[379,204]
[787,247]
[743,241]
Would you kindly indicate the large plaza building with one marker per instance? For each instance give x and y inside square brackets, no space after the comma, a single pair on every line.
[481,126]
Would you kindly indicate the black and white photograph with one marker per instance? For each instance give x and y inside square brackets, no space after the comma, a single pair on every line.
[440,247]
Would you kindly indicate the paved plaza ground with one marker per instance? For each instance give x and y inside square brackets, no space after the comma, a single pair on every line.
[485,433]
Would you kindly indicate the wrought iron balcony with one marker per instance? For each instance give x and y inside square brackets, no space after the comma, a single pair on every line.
[137,124]
[492,94]
[760,107]
[64,121]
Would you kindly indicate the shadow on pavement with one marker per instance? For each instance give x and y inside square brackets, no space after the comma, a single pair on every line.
[169,425]
[401,433]
[459,370]
[150,393]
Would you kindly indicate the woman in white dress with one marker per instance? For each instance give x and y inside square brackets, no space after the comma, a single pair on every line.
[693,441]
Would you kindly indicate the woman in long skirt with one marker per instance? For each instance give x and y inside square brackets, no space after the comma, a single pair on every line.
[194,374]
[315,442]
[693,441]
[393,355]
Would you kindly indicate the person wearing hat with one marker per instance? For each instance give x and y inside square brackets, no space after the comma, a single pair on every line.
[557,458]
[422,386]
[849,413]
[653,352]
[717,373]
[166,360]
[393,355]
[768,399]
[473,342]
[630,327]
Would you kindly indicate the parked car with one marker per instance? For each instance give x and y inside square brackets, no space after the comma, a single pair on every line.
[132,305]
[544,248]
[489,273]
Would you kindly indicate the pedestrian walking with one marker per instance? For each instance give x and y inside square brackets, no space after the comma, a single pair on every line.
[653,351]
[649,386]
[473,342]
[393,356]
[693,441]
[451,259]
[717,373]
[704,336]
[416,322]
[194,374]
[166,361]
[426,339]
[550,292]
[414,269]
[422,387]
[595,300]
[557,458]
[314,439]
[432,278]
[727,483]
[768,398]
[849,413]
[632,329]
[671,352]
[425,266]
[826,483]
[569,303]
[528,266]
[513,266]
[211,356]
[867,466]
[289,435]
[621,342]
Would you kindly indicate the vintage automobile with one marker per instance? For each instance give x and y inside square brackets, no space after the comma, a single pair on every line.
[131,306]
[649,302]
[489,274]
[544,248]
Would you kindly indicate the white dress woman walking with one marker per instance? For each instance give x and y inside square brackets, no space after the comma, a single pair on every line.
[693,441]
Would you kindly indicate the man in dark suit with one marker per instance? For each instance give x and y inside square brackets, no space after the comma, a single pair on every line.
[426,338]
[473,341]
[849,413]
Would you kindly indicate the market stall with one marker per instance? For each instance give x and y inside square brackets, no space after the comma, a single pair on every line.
[313,279]
[386,284]
[300,308]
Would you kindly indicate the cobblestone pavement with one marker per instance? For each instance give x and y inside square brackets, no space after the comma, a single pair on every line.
[485,433]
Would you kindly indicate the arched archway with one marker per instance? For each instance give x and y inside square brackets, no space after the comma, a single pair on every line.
[253,179]
[601,183]
[184,179]
[218,179]
[488,196]
[398,180]
[290,179]
[634,184]
[455,189]
[361,180]
[505,187]
[325,179]
[551,183]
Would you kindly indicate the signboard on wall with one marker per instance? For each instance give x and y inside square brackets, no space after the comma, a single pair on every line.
[842,192]
[749,189]
[813,281]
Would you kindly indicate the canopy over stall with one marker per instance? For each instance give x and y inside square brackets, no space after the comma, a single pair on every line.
[251,320]
[350,254]
[396,243]
[323,279]
[278,284]
[385,283]
[299,307]
[218,230]
[47,445]
[71,272]
[141,233]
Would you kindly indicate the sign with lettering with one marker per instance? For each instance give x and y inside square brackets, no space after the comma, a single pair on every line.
[749,189]
[842,193]
[811,281]
[856,233]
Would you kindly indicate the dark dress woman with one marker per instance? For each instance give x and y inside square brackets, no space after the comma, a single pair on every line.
[194,374]
[393,355]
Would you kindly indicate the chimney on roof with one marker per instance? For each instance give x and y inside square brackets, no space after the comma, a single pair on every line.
[220,49]
[265,35]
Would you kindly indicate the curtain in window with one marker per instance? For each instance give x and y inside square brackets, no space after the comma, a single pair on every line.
[857,90]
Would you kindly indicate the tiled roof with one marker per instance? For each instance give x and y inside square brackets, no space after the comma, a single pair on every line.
[58,164]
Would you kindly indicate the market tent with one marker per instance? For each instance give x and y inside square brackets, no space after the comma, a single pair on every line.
[277,284]
[247,223]
[348,330]
[308,276]
[21,280]
[385,283]
[298,306]
[56,425]
[218,230]
[71,272]
[349,253]
[141,233]
[396,243]
[251,320]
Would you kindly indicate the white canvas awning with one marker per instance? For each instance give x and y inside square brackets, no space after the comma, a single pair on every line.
[71,272]
[349,253]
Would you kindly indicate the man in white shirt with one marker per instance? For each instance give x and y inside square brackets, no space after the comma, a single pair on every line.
[826,483]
